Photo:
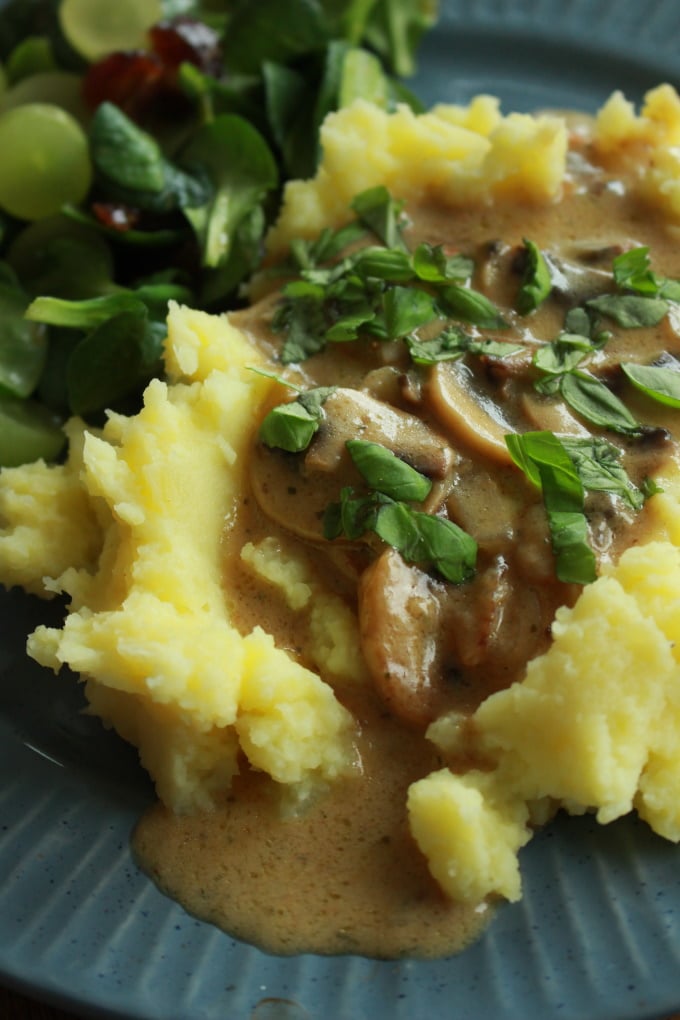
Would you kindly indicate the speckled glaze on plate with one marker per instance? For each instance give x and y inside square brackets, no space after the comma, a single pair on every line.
[597,934]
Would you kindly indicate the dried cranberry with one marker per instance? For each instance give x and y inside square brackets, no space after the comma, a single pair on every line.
[131,80]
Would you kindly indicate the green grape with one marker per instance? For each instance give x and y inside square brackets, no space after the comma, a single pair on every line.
[45,161]
[97,27]
[58,88]
[27,432]
[32,55]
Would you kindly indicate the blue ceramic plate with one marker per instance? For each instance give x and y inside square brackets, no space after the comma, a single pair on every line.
[597,934]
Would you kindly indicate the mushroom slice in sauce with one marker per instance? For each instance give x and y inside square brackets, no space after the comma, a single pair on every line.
[399,621]
[466,412]
[353,414]
[294,490]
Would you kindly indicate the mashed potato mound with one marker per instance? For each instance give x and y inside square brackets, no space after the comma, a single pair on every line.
[148,626]
[130,528]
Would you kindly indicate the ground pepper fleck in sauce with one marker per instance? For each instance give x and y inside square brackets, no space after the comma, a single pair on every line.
[341,873]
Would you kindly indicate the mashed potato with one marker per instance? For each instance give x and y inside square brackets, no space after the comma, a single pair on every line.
[132,529]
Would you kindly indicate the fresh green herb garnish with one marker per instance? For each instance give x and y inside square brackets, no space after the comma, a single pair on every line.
[595,402]
[433,265]
[470,306]
[386,473]
[536,282]
[546,462]
[659,382]
[291,426]
[421,538]
[453,343]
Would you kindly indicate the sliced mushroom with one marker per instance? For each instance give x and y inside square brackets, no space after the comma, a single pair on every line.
[467,412]
[399,621]
[294,490]
[551,415]
[352,414]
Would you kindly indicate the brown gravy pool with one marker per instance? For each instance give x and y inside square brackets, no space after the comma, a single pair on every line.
[343,875]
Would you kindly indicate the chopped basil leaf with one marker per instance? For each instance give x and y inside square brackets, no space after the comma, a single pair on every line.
[432,265]
[595,402]
[471,306]
[574,558]
[381,213]
[546,462]
[598,464]
[429,541]
[453,342]
[632,271]
[536,282]
[563,354]
[658,382]
[303,321]
[292,425]
[386,473]
[288,427]
[631,311]
[404,310]
[388,264]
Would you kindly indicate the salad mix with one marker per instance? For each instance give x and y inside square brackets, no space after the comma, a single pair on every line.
[145,145]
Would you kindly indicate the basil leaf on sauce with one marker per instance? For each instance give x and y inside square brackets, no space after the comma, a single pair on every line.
[428,541]
[632,311]
[632,270]
[381,213]
[656,381]
[423,539]
[452,343]
[598,465]
[595,402]
[546,462]
[536,281]
[471,306]
[432,265]
[386,472]
[404,310]
[291,426]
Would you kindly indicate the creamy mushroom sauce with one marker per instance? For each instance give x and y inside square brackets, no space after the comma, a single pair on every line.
[342,874]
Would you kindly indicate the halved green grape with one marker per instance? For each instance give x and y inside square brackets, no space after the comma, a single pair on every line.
[58,88]
[45,161]
[28,431]
[97,27]
[31,56]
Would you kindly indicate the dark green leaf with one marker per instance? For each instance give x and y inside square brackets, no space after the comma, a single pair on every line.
[381,213]
[598,464]
[658,382]
[386,473]
[471,306]
[536,282]
[124,153]
[432,265]
[595,402]
[289,427]
[239,164]
[406,309]
[22,342]
[546,462]
[109,362]
[429,541]
[630,310]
